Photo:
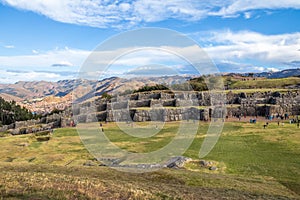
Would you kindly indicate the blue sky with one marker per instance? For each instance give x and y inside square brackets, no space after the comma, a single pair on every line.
[50,40]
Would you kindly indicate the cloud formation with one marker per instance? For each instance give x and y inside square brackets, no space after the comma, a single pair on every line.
[12,76]
[238,6]
[58,57]
[125,13]
[9,46]
[231,51]
[62,64]
[237,67]
[245,45]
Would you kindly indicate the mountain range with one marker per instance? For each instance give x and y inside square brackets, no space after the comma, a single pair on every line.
[86,89]
[280,74]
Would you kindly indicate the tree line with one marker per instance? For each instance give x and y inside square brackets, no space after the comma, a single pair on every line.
[10,112]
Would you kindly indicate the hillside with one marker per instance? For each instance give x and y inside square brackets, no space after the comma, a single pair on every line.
[256,83]
[9,97]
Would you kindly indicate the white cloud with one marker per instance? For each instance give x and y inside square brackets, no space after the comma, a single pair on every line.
[159,55]
[242,67]
[239,6]
[272,49]
[62,64]
[9,46]
[272,69]
[14,76]
[228,49]
[134,58]
[66,57]
[260,69]
[50,65]
[120,14]
[28,67]
[153,70]
[247,15]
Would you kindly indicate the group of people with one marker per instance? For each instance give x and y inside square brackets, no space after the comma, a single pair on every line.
[295,120]
[278,116]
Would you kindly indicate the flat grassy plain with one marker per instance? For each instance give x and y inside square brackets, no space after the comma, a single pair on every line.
[253,163]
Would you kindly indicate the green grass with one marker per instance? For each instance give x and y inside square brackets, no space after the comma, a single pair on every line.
[246,149]
[252,163]
[63,146]
[4,134]
[263,89]
[274,152]
[59,182]
[265,83]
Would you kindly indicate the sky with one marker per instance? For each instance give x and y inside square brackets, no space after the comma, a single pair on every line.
[52,39]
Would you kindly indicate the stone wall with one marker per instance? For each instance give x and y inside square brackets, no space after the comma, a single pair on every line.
[26,123]
[158,106]
[191,105]
[168,115]
[41,124]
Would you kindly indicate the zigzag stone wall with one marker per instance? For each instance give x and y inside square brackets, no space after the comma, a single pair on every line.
[193,105]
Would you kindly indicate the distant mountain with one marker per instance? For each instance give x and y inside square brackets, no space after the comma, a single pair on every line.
[39,89]
[80,89]
[280,74]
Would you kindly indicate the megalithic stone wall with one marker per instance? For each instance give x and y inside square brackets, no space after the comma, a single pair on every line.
[192,105]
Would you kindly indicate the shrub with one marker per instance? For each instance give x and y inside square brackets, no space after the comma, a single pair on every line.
[147,88]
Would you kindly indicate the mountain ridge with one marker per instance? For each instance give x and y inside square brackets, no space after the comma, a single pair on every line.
[86,89]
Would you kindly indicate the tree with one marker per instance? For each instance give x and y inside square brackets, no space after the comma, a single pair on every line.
[106,96]
[147,88]
[11,112]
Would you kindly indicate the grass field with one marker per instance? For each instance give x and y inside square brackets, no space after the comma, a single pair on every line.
[251,91]
[265,83]
[253,163]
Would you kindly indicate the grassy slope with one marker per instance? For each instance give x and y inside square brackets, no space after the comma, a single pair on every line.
[250,91]
[253,163]
[265,83]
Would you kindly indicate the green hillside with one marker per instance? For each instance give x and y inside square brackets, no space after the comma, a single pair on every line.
[263,83]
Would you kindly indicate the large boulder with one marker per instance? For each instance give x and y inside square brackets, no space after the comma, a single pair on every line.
[177,162]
